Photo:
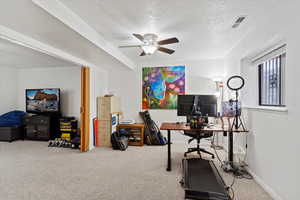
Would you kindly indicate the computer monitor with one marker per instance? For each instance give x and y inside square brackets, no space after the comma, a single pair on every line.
[205,104]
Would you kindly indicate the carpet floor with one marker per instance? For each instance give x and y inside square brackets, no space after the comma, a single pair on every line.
[30,170]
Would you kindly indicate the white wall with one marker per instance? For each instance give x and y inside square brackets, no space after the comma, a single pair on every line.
[274,139]
[128,85]
[124,83]
[8,89]
[65,78]
[199,74]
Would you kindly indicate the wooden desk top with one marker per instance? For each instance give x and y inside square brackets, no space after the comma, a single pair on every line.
[184,127]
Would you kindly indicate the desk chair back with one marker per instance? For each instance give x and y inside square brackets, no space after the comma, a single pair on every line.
[197,135]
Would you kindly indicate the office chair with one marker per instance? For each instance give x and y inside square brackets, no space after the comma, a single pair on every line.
[197,135]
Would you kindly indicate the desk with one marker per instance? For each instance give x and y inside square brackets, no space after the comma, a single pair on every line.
[214,129]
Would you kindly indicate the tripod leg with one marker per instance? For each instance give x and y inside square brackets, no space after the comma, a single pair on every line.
[242,124]
[233,123]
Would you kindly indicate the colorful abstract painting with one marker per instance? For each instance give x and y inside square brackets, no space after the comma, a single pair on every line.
[161,86]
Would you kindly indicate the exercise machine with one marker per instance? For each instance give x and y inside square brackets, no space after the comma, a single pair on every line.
[202,181]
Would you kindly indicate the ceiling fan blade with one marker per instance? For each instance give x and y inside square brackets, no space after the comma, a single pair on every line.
[129,46]
[143,53]
[168,41]
[166,50]
[138,36]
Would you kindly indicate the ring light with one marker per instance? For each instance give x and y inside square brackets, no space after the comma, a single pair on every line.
[236,83]
[230,82]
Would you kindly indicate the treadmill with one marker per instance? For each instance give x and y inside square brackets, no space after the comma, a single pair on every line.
[202,181]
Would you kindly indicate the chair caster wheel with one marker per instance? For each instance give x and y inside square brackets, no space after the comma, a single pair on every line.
[185,155]
[213,157]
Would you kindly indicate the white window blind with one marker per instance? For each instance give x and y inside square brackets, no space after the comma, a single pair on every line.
[269,54]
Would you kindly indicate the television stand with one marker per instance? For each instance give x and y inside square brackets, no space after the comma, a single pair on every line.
[42,127]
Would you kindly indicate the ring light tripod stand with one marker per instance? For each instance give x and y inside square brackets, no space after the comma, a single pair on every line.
[237,122]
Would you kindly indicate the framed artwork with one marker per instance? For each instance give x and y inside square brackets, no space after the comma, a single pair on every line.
[161,86]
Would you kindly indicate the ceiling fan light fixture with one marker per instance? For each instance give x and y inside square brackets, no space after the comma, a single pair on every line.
[149,49]
[150,44]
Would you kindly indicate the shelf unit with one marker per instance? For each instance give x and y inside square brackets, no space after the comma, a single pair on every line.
[136,132]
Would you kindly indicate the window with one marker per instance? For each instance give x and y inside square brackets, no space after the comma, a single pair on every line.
[271,81]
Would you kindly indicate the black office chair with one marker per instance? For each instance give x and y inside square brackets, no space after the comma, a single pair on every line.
[197,135]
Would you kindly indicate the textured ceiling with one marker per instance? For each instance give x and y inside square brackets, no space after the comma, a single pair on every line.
[25,17]
[202,26]
[14,55]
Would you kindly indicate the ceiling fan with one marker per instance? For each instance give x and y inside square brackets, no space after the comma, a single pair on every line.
[151,45]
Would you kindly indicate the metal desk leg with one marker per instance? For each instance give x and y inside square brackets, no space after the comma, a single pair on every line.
[230,148]
[169,151]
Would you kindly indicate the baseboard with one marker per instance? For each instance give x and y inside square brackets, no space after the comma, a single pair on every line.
[266,187]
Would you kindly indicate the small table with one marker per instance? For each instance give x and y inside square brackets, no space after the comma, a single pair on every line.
[140,127]
[184,127]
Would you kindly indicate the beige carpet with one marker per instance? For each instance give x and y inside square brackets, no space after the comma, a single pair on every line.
[30,170]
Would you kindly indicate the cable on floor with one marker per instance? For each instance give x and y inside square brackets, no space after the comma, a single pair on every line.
[233,195]
[240,171]
[222,164]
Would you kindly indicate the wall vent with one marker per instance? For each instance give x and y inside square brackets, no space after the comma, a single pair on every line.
[238,21]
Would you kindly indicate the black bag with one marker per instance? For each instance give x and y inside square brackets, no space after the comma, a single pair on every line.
[114,139]
[75,142]
[119,142]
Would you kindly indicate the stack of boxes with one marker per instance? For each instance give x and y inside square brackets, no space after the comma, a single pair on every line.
[108,115]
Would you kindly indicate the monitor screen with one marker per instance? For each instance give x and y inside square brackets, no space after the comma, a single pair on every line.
[43,100]
[207,104]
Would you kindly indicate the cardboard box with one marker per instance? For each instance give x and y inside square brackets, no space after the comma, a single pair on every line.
[107,106]
[104,131]
[106,128]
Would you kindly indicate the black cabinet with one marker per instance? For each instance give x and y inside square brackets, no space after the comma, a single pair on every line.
[41,127]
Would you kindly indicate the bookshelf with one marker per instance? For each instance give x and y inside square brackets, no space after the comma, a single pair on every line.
[136,137]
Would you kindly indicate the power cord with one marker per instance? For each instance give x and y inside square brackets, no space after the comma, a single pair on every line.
[222,166]
[212,144]
[233,195]
[240,171]
[237,172]
[231,188]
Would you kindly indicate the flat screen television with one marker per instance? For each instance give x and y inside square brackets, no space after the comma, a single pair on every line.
[41,101]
